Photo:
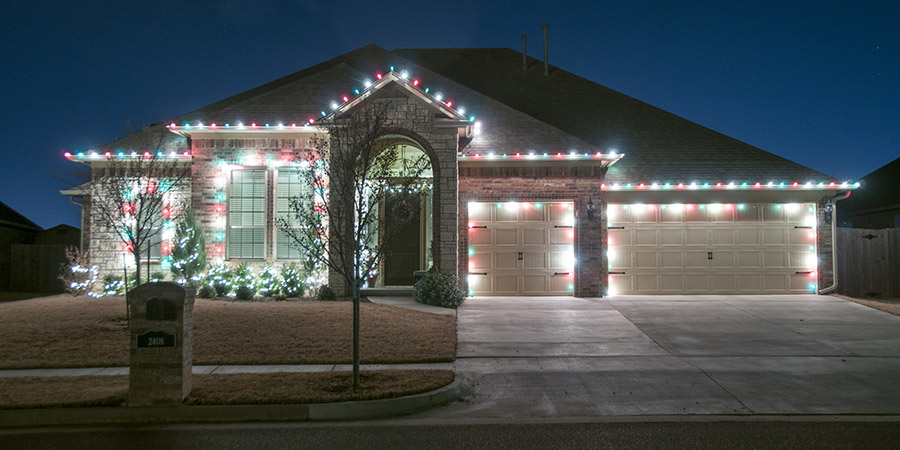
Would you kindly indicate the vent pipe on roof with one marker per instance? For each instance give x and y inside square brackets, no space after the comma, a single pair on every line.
[546,27]
[524,53]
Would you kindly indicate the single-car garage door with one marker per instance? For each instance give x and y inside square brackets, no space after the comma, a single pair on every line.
[521,248]
[711,248]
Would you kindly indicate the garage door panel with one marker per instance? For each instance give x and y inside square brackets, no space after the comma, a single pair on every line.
[479,212]
[506,284]
[671,283]
[671,237]
[748,260]
[671,260]
[724,283]
[560,283]
[560,212]
[748,236]
[534,260]
[560,236]
[534,236]
[694,214]
[506,260]
[695,237]
[800,282]
[479,236]
[723,237]
[534,214]
[509,213]
[696,282]
[645,237]
[800,236]
[478,261]
[750,283]
[774,260]
[773,236]
[672,214]
[722,259]
[693,260]
[748,213]
[775,283]
[773,213]
[620,237]
[648,283]
[535,284]
[645,260]
[506,237]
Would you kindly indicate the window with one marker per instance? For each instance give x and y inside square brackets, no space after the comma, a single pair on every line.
[247,214]
[289,185]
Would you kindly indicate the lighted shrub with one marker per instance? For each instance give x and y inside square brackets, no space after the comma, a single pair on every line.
[439,289]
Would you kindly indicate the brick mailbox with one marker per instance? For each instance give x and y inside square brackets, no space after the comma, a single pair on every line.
[161,344]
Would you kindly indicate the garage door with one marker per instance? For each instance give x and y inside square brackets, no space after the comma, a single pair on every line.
[712,248]
[521,248]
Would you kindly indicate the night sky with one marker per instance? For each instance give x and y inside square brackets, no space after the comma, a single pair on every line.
[817,83]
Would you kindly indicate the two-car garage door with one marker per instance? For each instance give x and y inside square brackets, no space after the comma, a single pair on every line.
[711,248]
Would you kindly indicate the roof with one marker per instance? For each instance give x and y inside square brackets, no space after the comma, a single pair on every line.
[11,218]
[880,191]
[521,111]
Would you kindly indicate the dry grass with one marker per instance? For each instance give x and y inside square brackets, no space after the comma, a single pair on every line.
[64,331]
[237,389]
[890,306]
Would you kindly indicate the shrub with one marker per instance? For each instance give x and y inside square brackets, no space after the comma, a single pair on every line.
[244,282]
[439,289]
[206,291]
[157,276]
[268,283]
[113,285]
[219,278]
[244,293]
[77,275]
[292,284]
[325,293]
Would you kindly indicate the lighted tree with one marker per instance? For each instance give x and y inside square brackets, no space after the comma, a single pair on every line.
[351,171]
[188,255]
[133,195]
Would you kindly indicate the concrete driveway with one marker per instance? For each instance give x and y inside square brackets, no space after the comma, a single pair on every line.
[649,355]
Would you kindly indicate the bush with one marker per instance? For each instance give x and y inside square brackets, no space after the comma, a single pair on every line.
[244,293]
[268,282]
[113,285]
[206,291]
[157,276]
[439,289]
[219,278]
[77,275]
[244,282]
[292,284]
[325,293]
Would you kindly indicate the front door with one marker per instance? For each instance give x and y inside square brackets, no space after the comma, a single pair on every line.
[402,217]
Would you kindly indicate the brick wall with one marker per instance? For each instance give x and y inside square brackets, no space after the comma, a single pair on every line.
[824,246]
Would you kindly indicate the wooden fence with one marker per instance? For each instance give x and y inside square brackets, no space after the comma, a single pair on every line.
[34,268]
[868,262]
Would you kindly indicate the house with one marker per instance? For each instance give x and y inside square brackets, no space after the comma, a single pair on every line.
[30,257]
[877,204]
[543,182]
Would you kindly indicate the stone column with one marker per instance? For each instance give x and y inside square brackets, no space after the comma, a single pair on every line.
[162,341]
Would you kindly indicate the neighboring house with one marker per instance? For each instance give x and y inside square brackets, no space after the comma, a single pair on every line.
[14,229]
[30,257]
[543,185]
[877,203]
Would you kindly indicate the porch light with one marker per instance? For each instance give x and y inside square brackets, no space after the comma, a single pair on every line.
[590,207]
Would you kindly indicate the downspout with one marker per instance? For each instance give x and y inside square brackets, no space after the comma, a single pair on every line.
[834,271]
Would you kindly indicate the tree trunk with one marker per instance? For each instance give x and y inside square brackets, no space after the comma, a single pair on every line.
[137,268]
[355,336]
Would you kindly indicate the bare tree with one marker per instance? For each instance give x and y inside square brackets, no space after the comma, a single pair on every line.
[342,223]
[133,194]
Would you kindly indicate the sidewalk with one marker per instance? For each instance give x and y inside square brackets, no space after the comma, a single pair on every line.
[224,369]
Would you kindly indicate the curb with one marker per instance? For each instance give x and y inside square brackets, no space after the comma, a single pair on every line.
[359,410]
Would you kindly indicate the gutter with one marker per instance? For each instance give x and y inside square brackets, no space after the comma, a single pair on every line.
[834,271]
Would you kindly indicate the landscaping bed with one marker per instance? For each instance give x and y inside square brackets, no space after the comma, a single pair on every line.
[64,331]
[889,305]
[233,389]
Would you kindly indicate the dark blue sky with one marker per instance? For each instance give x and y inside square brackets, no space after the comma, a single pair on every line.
[814,82]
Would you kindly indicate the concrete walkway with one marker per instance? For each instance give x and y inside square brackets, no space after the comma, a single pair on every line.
[653,355]
[225,369]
